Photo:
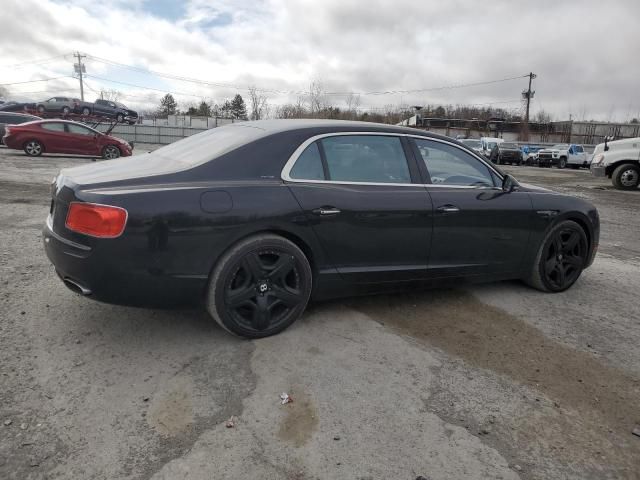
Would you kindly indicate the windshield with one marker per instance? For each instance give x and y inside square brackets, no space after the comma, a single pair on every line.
[471,143]
[490,145]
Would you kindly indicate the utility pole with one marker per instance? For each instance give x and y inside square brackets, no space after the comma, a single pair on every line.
[528,95]
[80,69]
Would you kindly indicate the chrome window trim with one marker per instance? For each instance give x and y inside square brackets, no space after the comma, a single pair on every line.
[286,170]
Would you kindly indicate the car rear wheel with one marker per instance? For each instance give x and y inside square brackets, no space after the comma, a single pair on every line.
[119,118]
[626,176]
[561,258]
[259,287]
[86,111]
[66,110]
[41,108]
[110,152]
[33,148]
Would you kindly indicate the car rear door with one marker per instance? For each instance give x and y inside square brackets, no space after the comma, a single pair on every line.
[363,196]
[54,137]
[82,140]
[477,227]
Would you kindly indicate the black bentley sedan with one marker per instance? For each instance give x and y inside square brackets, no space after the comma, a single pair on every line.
[254,219]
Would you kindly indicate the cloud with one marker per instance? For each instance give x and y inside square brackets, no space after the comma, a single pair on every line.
[582,51]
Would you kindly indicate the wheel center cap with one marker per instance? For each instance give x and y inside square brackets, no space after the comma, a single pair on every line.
[560,257]
[263,287]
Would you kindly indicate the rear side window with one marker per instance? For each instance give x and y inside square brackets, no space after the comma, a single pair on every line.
[308,165]
[54,127]
[78,129]
[366,158]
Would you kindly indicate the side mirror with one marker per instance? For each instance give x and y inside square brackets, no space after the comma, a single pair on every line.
[509,184]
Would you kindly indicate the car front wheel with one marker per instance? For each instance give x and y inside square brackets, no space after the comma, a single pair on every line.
[33,148]
[119,118]
[86,111]
[110,152]
[561,258]
[259,287]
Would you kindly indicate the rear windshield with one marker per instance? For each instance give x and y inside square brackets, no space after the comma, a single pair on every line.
[205,146]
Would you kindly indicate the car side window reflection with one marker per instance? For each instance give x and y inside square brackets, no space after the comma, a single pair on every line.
[78,129]
[449,165]
[309,165]
[366,158]
[54,127]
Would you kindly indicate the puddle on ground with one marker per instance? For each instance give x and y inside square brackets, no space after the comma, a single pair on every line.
[300,421]
[602,400]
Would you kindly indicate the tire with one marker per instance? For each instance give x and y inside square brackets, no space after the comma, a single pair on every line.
[626,176]
[86,111]
[562,163]
[119,118]
[33,148]
[40,108]
[560,259]
[66,110]
[268,299]
[110,152]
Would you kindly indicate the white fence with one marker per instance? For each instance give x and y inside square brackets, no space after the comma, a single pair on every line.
[159,134]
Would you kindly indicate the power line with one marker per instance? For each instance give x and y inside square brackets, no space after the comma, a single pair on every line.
[34,81]
[35,62]
[144,88]
[300,92]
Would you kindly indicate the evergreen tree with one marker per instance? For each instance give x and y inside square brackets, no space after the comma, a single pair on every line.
[168,105]
[238,108]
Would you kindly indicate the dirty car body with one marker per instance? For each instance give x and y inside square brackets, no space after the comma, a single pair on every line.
[252,217]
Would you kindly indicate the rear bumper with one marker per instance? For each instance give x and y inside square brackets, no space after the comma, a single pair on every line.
[99,274]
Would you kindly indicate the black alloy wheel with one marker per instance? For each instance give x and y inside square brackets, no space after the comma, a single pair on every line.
[561,258]
[260,287]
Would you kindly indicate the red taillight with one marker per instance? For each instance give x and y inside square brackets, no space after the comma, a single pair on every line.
[101,221]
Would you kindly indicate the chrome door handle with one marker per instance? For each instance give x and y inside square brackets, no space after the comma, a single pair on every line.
[324,211]
[448,209]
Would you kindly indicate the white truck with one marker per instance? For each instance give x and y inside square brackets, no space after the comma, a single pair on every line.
[564,155]
[487,144]
[618,160]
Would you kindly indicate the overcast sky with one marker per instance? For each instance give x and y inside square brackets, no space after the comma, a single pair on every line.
[584,52]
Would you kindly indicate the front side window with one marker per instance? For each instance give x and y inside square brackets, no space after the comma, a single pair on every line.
[308,165]
[449,165]
[366,158]
[54,127]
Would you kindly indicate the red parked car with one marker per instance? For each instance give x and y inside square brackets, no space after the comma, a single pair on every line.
[61,136]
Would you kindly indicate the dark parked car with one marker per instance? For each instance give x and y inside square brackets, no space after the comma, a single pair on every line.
[17,107]
[12,118]
[506,152]
[256,218]
[64,105]
[61,136]
[115,110]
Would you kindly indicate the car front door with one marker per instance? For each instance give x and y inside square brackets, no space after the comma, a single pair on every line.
[82,140]
[54,137]
[363,196]
[477,227]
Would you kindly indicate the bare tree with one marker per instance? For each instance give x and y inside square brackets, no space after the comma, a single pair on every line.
[543,117]
[111,95]
[353,103]
[259,106]
[316,98]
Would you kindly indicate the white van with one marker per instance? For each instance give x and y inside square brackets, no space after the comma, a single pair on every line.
[487,144]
